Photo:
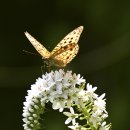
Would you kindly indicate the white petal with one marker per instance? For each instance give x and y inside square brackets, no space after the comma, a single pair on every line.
[67,114]
[68,120]
[71,110]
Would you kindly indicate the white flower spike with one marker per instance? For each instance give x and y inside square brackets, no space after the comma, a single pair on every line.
[65,91]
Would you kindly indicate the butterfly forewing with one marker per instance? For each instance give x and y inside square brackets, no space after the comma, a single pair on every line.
[67,49]
[72,37]
[38,46]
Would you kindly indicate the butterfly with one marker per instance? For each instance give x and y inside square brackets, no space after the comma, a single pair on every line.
[63,53]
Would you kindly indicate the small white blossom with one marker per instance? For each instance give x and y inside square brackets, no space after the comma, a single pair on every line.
[104,126]
[90,91]
[95,119]
[71,116]
[77,79]
[74,127]
[99,104]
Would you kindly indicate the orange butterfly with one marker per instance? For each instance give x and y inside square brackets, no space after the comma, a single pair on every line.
[63,53]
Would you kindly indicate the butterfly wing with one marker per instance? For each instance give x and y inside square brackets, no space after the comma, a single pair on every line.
[38,46]
[67,49]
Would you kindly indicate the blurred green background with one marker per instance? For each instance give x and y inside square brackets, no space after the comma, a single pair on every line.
[103,59]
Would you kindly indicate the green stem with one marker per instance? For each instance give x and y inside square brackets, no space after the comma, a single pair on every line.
[86,114]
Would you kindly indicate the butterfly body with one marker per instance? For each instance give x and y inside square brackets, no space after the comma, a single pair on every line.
[63,53]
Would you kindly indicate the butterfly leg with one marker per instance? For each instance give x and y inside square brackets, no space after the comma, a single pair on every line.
[42,69]
[48,67]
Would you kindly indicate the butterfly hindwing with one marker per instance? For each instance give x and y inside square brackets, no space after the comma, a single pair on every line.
[66,56]
[38,46]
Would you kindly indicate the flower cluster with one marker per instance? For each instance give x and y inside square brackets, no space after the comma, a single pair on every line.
[65,90]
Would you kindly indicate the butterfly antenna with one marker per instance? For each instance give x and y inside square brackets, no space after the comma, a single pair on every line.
[31,53]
